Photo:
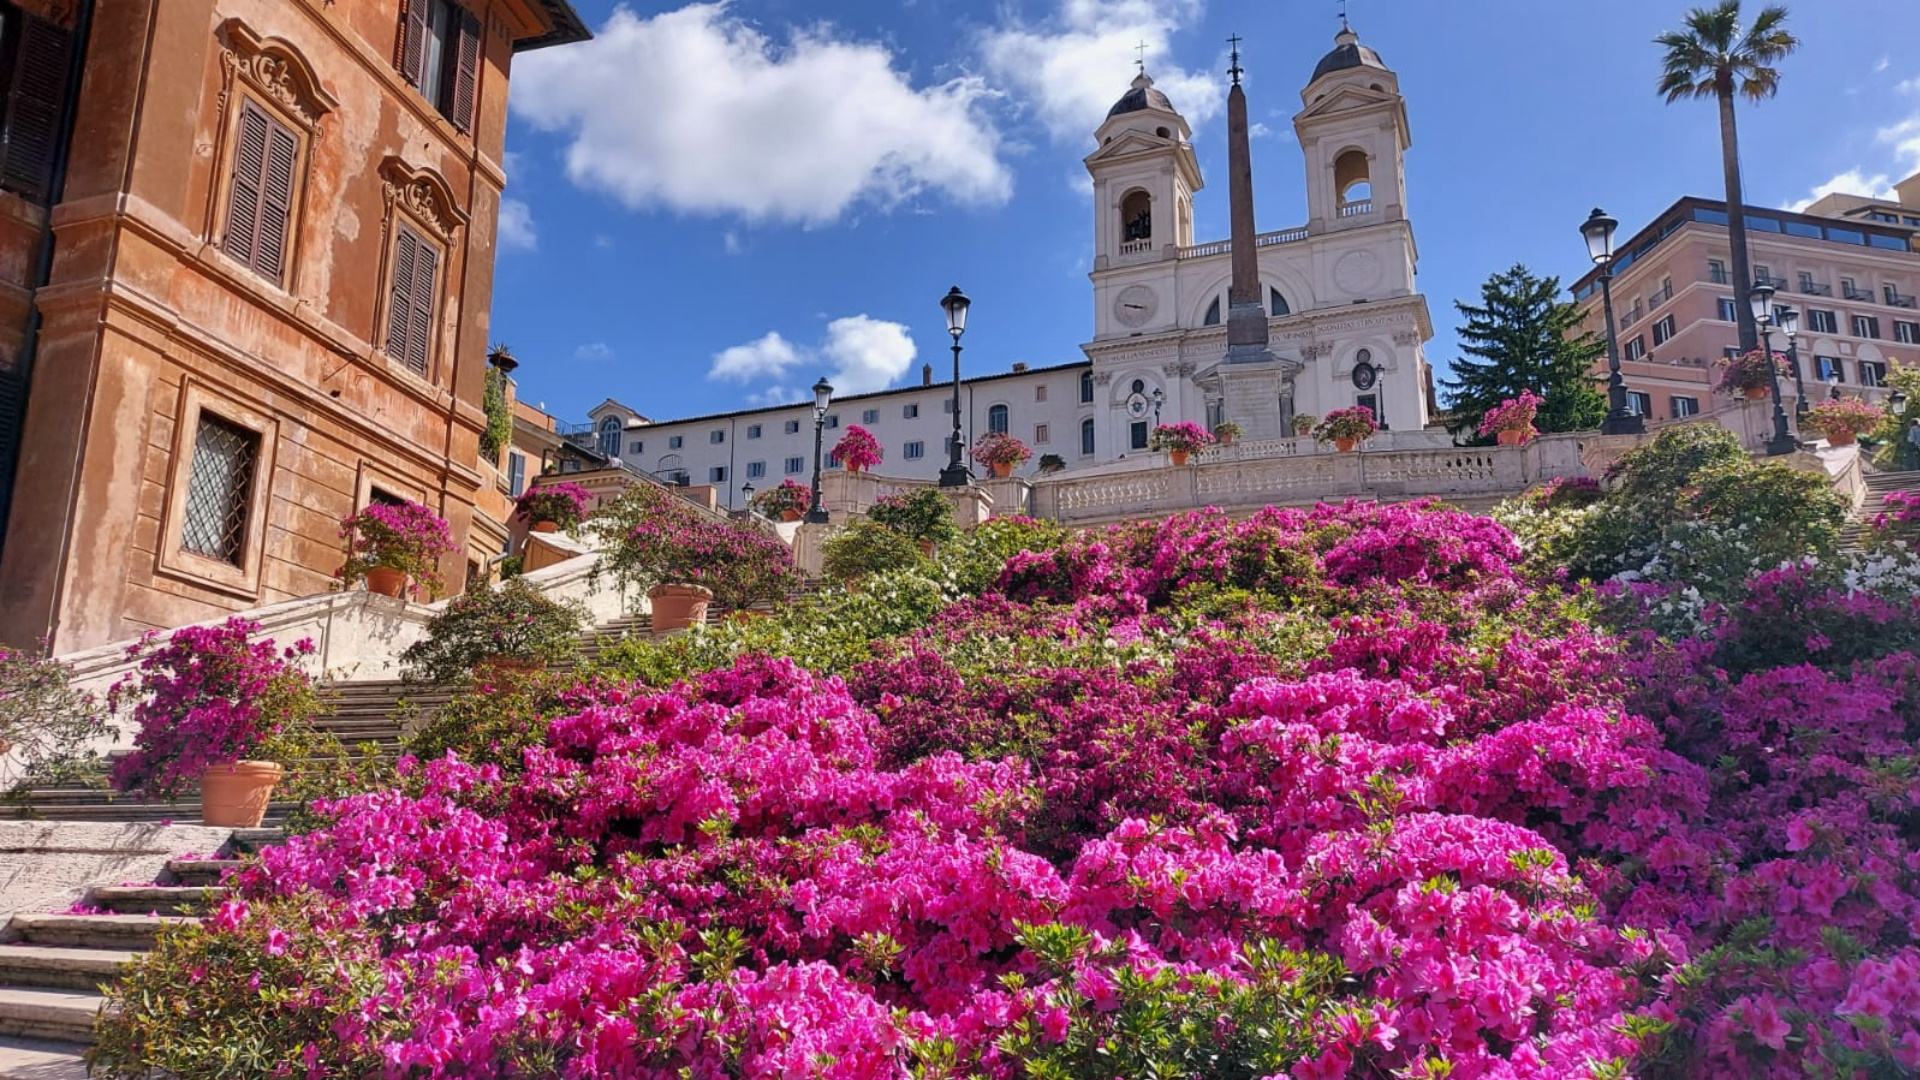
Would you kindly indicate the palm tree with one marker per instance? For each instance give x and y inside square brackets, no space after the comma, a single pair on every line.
[1712,57]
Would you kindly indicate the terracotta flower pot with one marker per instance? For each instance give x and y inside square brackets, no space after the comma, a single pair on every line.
[1002,469]
[1225,440]
[1840,438]
[854,469]
[235,795]
[1512,436]
[790,515]
[546,526]
[1345,446]
[1179,457]
[495,667]
[676,607]
[386,581]
[1755,393]
[926,548]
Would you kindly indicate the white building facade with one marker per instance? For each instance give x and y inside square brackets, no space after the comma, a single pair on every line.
[1347,322]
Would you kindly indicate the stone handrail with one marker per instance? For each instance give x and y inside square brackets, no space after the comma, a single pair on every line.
[1265,239]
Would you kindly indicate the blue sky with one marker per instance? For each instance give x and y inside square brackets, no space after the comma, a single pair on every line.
[712,205]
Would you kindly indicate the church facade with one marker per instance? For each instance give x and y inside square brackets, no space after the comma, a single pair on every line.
[1345,322]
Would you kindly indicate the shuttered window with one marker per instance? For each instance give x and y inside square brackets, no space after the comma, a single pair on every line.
[34,55]
[440,56]
[416,266]
[260,199]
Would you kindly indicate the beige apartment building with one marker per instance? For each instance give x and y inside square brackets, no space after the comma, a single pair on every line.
[1848,265]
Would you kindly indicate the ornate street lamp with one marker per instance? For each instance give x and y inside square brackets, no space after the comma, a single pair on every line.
[1159,399]
[1790,325]
[1760,299]
[822,394]
[955,303]
[746,493]
[1621,419]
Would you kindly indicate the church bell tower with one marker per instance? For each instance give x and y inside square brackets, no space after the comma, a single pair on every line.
[1144,177]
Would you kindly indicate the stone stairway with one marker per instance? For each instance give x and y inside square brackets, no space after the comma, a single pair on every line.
[1879,486]
[52,965]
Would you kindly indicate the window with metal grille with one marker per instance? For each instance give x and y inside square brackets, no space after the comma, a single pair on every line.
[260,198]
[416,266]
[219,490]
[1137,435]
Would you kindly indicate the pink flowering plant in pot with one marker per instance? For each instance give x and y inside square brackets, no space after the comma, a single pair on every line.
[788,500]
[1352,425]
[1750,372]
[1841,421]
[565,505]
[664,541]
[857,449]
[1184,437]
[404,538]
[1000,451]
[207,696]
[1515,414]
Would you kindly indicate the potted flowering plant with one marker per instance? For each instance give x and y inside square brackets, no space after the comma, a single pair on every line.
[1511,421]
[1225,433]
[388,544]
[1179,440]
[1303,423]
[554,507]
[1842,420]
[1001,452]
[1346,428]
[213,707]
[1749,374]
[1051,463]
[488,630]
[857,449]
[687,560]
[787,502]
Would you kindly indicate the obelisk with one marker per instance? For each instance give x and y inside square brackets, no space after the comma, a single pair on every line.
[1252,378]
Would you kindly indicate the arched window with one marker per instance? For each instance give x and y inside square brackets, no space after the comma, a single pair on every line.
[1277,302]
[997,419]
[1086,436]
[610,436]
[1213,314]
[1086,388]
[1136,218]
[1352,180]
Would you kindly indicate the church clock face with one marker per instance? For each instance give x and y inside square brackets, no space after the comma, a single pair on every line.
[1135,305]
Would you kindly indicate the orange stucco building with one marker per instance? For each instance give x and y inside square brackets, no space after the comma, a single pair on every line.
[246,262]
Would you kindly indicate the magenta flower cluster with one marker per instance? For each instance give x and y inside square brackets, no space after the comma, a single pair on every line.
[1000,448]
[1513,414]
[564,504]
[740,564]
[1185,435]
[857,449]
[208,695]
[1899,515]
[406,536]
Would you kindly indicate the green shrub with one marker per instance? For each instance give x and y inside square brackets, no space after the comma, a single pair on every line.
[495,727]
[865,548]
[972,564]
[47,728]
[924,514]
[512,621]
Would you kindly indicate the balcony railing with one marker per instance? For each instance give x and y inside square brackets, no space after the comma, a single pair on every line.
[1719,277]
[1665,294]
[1852,293]
[1814,288]
[1894,299]
[1136,247]
[1356,209]
[1268,239]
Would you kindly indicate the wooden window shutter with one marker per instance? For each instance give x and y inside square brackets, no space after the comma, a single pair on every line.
[466,78]
[426,263]
[406,250]
[243,196]
[276,202]
[32,121]
[413,38]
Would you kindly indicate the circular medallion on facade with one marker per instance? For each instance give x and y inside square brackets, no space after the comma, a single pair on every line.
[1135,305]
[1137,405]
[1365,375]
[1357,271]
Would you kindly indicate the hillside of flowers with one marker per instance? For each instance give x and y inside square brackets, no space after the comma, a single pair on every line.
[1350,792]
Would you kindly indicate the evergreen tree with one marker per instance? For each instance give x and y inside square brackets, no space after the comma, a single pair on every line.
[1525,338]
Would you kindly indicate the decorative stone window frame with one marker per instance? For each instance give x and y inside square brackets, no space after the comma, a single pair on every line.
[422,199]
[272,73]
[373,476]
[175,561]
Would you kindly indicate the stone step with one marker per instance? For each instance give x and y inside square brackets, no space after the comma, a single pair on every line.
[43,1013]
[157,899]
[135,932]
[201,871]
[61,967]
[41,1059]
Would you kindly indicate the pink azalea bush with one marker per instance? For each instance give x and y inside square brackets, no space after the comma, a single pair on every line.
[741,564]
[1751,371]
[857,449]
[1185,435]
[1844,418]
[207,695]
[1898,517]
[1513,414]
[1328,793]
[563,504]
[1356,423]
[407,537]
[786,497]
[1000,448]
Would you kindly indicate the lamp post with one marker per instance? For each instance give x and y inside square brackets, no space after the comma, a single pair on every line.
[1159,399]
[1790,325]
[1621,420]
[955,303]
[1833,387]
[746,492]
[1760,297]
[822,393]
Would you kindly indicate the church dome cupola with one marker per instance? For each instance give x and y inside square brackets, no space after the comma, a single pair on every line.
[1347,54]
[1141,97]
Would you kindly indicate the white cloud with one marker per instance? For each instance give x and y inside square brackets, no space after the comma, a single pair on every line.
[858,354]
[593,350]
[770,356]
[1885,63]
[1074,65]
[516,226]
[1851,182]
[685,110]
[730,241]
